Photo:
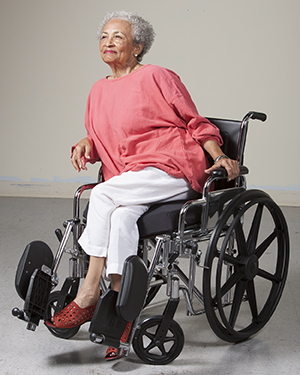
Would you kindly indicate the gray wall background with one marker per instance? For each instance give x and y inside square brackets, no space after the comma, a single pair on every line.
[233,56]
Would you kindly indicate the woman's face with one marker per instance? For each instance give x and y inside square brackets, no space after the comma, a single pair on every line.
[116,45]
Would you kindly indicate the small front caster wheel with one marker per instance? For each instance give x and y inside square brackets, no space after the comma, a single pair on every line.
[51,309]
[156,342]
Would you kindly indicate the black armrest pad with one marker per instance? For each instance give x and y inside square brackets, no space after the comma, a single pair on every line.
[243,170]
[222,173]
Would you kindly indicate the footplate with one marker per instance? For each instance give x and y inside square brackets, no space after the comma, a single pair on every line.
[106,326]
[36,299]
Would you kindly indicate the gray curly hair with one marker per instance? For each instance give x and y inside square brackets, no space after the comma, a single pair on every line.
[142,30]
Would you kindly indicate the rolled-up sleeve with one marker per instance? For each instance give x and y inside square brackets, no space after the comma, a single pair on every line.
[199,127]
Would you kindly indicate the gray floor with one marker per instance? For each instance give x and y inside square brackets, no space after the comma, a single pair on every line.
[274,350]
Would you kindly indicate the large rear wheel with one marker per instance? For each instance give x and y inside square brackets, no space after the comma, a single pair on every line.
[246,266]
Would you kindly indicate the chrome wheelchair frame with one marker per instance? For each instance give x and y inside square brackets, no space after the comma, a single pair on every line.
[240,262]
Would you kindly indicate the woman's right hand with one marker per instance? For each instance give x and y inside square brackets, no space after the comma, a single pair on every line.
[81,153]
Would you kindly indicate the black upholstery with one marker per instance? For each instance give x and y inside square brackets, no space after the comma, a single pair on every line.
[115,309]
[35,255]
[163,217]
[230,132]
[105,323]
[133,288]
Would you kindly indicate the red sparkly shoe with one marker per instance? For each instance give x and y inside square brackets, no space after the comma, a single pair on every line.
[71,316]
[111,353]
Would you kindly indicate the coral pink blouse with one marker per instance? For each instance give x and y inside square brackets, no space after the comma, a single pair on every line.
[147,118]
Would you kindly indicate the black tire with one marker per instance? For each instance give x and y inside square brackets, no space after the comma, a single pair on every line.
[154,348]
[53,308]
[246,266]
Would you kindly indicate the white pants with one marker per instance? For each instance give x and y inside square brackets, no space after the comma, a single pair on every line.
[116,205]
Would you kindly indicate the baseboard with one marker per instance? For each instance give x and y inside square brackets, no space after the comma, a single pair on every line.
[38,189]
[284,197]
[67,190]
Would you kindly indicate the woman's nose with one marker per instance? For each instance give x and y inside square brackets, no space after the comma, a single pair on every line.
[109,41]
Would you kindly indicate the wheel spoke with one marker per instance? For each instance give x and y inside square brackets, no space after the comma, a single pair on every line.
[152,344]
[231,260]
[240,238]
[252,299]
[55,307]
[266,243]
[268,276]
[233,279]
[162,348]
[150,336]
[150,347]
[237,300]
[253,234]
[168,339]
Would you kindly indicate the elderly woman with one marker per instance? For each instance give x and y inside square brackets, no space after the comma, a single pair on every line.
[143,126]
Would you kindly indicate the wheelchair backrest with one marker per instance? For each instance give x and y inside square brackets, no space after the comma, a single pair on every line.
[233,133]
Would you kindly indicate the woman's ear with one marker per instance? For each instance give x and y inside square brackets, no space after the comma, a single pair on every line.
[138,49]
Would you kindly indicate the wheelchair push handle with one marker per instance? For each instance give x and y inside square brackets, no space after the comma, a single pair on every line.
[258,116]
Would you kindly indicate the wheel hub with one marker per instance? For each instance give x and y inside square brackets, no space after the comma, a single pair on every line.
[250,267]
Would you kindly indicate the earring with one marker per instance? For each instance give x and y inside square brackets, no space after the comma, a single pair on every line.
[136,55]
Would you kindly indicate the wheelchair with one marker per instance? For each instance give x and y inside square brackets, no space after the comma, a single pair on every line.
[234,240]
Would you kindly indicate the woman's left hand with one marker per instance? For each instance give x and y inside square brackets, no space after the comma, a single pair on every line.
[231,166]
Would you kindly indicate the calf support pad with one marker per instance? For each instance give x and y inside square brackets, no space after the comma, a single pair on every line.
[35,255]
[133,288]
[115,309]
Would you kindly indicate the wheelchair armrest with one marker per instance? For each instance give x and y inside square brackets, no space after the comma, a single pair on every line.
[221,173]
[83,188]
[77,196]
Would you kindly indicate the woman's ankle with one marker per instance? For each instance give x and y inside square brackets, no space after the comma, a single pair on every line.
[85,299]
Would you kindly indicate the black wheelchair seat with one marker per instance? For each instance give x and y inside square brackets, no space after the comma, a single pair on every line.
[163,219]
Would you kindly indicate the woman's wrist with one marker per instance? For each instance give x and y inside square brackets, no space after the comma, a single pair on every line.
[223,156]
